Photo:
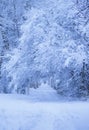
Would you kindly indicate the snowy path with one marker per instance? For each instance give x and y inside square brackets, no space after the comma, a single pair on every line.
[18,112]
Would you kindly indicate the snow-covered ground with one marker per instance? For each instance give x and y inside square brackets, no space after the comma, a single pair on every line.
[34,112]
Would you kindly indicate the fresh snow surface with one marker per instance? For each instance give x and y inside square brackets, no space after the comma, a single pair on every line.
[42,110]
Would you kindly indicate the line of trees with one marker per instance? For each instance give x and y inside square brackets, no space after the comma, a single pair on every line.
[52,45]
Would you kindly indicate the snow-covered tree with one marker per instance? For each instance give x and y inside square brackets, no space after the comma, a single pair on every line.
[53,44]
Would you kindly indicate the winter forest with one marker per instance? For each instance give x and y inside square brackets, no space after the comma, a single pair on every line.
[44,41]
[44,64]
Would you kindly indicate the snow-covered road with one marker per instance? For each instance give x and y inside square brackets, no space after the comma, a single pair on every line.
[19,112]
